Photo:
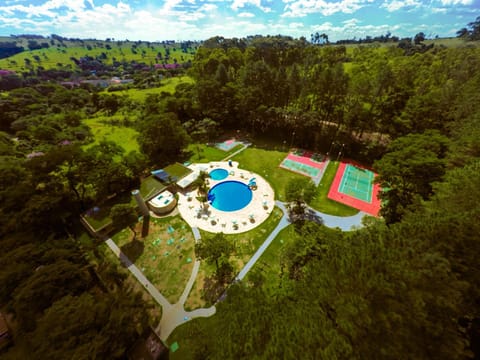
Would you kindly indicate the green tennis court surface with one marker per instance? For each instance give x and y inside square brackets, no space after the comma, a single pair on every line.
[357,182]
[300,168]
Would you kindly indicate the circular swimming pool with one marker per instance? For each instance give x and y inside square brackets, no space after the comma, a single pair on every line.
[230,196]
[218,174]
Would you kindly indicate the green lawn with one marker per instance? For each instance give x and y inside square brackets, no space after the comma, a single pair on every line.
[248,242]
[201,153]
[245,246]
[265,163]
[168,85]
[124,136]
[322,203]
[269,263]
[166,265]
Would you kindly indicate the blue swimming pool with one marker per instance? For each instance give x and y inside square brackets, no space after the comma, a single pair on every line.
[218,174]
[230,196]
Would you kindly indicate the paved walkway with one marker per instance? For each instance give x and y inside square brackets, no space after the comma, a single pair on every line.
[176,315]
[245,145]
[344,223]
[173,315]
[284,222]
[159,298]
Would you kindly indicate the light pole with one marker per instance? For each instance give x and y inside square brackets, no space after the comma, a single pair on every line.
[291,142]
[340,152]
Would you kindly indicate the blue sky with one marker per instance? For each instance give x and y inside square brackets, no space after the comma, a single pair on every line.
[200,19]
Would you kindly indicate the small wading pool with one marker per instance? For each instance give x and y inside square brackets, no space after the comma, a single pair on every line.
[230,195]
[218,174]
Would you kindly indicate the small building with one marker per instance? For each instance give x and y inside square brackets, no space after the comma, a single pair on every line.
[153,191]
[163,203]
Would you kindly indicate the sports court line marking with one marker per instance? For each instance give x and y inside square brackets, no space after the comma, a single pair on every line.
[372,208]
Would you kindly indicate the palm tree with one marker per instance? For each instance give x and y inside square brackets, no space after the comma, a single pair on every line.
[202,187]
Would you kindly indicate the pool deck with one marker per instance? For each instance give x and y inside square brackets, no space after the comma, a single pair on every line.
[228,222]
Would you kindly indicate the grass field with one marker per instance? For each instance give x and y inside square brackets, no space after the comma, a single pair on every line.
[168,85]
[53,56]
[322,203]
[270,262]
[166,264]
[265,163]
[124,136]
[202,153]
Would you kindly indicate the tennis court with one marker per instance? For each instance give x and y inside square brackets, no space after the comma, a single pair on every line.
[354,186]
[227,145]
[298,167]
[357,182]
[305,163]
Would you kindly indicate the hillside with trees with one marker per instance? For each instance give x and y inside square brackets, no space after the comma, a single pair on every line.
[404,286]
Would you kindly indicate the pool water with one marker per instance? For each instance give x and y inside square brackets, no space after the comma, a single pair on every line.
[230,196]
[218,174]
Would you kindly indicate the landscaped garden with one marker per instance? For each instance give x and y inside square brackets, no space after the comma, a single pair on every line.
[245,245]
[165,255]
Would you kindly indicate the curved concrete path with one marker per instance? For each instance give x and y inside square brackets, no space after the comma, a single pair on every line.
[174,315]
[344,223]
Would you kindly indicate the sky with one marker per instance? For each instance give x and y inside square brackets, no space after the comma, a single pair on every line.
[153,20]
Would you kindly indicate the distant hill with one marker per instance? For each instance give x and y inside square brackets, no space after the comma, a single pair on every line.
[25,53]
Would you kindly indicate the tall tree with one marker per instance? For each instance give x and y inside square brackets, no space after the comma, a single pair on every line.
[408,169]
[213,249]
[298,193]
[162,138]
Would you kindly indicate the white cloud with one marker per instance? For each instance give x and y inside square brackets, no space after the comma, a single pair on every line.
[45,9]
[238,4]
[246,14]
[351,29]
[301,8]
[436,10]
[456,2]
[296,25]
[351,22]
[395,5]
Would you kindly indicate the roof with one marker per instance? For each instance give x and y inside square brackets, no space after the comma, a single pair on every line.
[171,173]
[150,187]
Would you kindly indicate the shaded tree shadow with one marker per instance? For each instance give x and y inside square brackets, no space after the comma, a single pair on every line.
[313,216]
[133,250]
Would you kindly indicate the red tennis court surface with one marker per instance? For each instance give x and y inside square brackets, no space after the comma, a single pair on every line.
[372,208]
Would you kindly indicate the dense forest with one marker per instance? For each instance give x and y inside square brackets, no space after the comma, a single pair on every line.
[405,286]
